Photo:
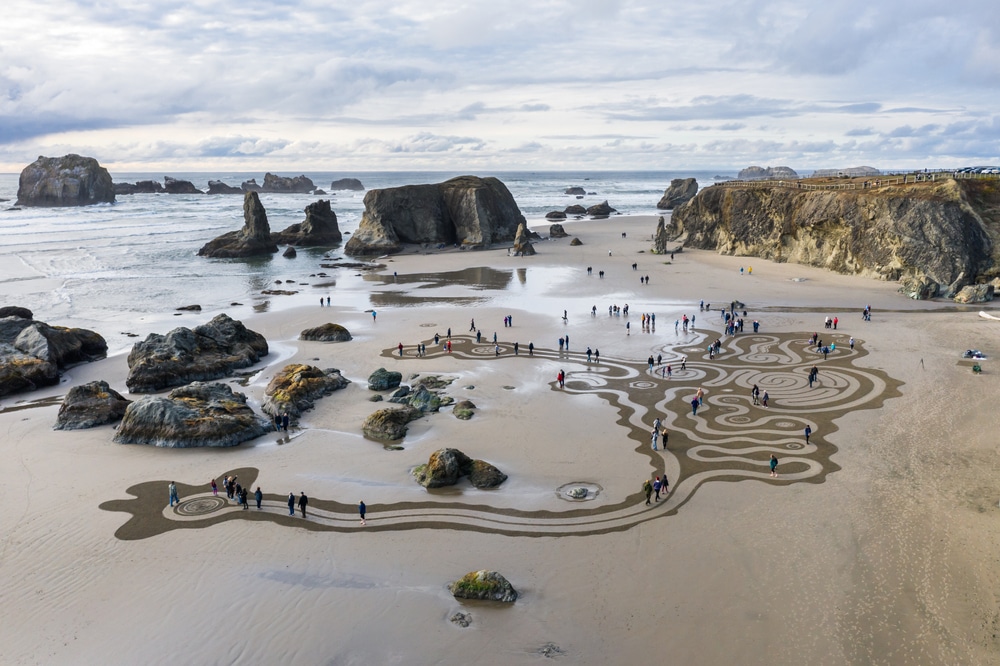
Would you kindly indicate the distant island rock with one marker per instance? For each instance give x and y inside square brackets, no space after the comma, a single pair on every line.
[70,180]
[89,405]
[768,173]
[296,388]
[253,240]
[183,355]
[575,190]
[849,172]
[218,187]
[250,186]
[178,186]
[681,190]
[352,184]
[140,187]
[468,211]
[32,353]
[196,415]
[285,185]
[319,228]
[936,237]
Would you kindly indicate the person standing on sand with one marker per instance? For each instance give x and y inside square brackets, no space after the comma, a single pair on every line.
[243,499]
[291,504]
[851,341]
[755,395]
[656,488]
[400,347]
[172,490]
[374,315]
[258,496]
[647,488]
[303,503]
[597,356]
[665,485]
[655,434]
[763,399]
[327,301]
[561,377]
[361,510]
[628,328]
[215,487]
[701,396]
[277,422]
[284,421]
[531,348]
[774,465]
[809,431]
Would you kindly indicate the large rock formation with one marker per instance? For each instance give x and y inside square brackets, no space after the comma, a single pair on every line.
[944,232]
[254,239]
[183,355]
[218,187]
[327,333]
[470,211]
[70,180]
[389,425]
[32,353]
[351,184]
[575,209]
[286,185]
[522,242]
[176,186]
[485,586]
[768,173]
[681,190]
[319,227]
[601,210]
[91,404]
[555,215]
[140,187]
[250,185]
[446,466]
[194,415]
[297,387]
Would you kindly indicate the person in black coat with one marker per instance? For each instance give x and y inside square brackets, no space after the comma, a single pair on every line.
[303,502]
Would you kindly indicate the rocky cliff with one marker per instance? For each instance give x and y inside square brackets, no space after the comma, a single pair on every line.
[70,180]
[471,211]
[681,190]
[940,235]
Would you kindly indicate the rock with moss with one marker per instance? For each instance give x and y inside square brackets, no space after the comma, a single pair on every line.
[32,353]
[557,231]
[483,475]
[296,388]
[484,585]
[464,409]
[390,424]
[424,400]
[576,242]
[975,293]
[326,333]
[196,415]
[444,468]
[383,380]
[89,405]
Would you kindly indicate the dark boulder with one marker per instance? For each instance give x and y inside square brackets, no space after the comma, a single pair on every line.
[352,184]
[328,333]
[175,186]
[446,466]
[218,187]
[286,185]
[32,353]
[485,586]
[90,405]
[319,228]
[601,210]
[183,355]
[681,190]
[289,252]
[468,211]
[140,187]
[464,410]
[296,388]
[70,180]
[199,414]
[250,186]
[557,231]
[575,209]
[16,311]
[483,475]
[574,190]
[389,424]
[555,215]
[523,246]
[254,239]
[576,242]
[383,380]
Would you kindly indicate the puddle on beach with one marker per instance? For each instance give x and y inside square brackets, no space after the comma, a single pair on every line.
[32,404]
[482,277]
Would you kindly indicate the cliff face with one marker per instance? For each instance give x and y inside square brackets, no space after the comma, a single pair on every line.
[943,233]
[471,211]
[70,180]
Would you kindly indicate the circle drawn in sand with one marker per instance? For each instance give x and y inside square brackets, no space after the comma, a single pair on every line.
[784,424]
[428,325]
[201,506]
[578,491]
[642,385]
[739,419]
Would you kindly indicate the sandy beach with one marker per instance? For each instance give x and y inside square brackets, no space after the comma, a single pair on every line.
[872,546]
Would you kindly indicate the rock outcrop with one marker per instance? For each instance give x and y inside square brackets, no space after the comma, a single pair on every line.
[975,293]
[319,228]
[464,410]
[601,210]
[767,173]
[522,244]
[557,231]
[286,185]
[140,187]
[681,190]
[297,387]
[175,186]
[849,172]
[383,380]
[250,186]
[16,311]
[468,211]
[555,215]
[350,184]
[199,414]
[253,240]
[663,235]
[575,209]
[576,242]
[183,355]
[89,405]
[70,180]
[390,424]
[290,252]
[328,333]
[942,233]
[32,352]
[574,190]
[446,466]
[485,586]
[218,187]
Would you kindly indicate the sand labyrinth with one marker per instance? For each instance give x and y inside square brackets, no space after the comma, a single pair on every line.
[728,439]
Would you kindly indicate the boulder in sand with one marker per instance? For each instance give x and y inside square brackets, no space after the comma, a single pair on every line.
[328,333]
[319,228]
[32,352]
[576,242]
[557,231]
[484,585]
[199,414]
[253,240]
[388,425]
[575,209]
[601,210]
[297,387]
[89,405]
[70,180]
[555,215]
[446,466]
[464,410]
[383,380]
[523,246]
[975,293]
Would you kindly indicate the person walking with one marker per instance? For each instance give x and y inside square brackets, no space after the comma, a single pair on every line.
[215,487]
[374,315]
[361,510]
[852,343]
[243,499]
[774,465]
[809,431]
[472,326]
[647,488]
[597,356]
[763,399]
[755,395]
[303,503]
[172,490]
[561,377]
[531,348]
[291,504]
[655,434]
[694,407]
[664,484]
[656,488]
[258,496]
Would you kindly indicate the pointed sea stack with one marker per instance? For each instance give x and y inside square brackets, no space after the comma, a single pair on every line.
[253,240]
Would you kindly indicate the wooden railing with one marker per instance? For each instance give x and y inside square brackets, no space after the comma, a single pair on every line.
[861,183]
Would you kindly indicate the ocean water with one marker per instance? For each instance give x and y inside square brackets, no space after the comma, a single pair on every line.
[122,269]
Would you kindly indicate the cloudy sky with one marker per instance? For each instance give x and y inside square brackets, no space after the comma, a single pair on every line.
[511,84]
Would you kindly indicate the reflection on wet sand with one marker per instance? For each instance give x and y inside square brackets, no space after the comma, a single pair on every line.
[481,277]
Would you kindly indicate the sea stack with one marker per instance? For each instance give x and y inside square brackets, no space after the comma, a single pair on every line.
[70,180]
[253,240]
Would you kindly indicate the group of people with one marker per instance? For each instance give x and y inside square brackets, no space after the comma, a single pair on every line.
[657,486]
[281,420]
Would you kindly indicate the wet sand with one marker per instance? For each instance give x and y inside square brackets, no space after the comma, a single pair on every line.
[872,546]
